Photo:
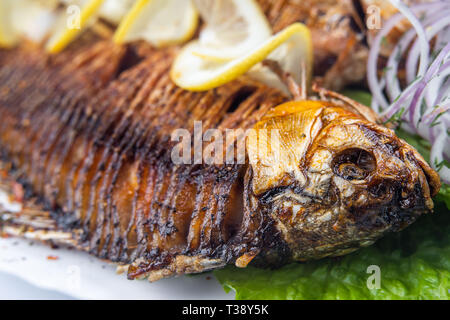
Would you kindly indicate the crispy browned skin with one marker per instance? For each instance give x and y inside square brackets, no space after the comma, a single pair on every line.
[92,139]
[95,144]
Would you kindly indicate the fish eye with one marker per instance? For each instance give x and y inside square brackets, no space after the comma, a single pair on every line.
[354,164]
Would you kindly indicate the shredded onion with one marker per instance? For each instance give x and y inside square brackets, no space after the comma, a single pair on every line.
[423,106]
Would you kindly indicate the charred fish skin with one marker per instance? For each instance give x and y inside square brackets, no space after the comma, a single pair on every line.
[89,131]
[98,154]
[92,140]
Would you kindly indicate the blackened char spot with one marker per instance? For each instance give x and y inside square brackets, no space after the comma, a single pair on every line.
[129,60]
[381,188]
[234,209]
[325,64]
[267,196]
[359,9]
[243,94]
[360,15]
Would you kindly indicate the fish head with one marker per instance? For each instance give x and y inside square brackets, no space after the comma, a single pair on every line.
[333,181]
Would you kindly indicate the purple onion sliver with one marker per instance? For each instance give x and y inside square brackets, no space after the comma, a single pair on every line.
[421,35]
[372,77]
[392,84]
[432,30]
[433,69]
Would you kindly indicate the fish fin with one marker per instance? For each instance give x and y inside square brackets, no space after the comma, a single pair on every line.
[351,104]
[179,265]
[34,223]
[26,218]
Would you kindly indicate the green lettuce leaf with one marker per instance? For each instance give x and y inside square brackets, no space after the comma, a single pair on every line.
[413,264]
[361,96]
[444,196]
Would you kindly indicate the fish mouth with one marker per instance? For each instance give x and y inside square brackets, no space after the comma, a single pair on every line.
[390,207]
[386,201]
[392,184]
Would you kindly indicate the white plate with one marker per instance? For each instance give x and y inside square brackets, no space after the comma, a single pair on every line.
[82,276]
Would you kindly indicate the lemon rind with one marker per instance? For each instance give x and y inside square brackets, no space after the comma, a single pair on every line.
[130,18]
[263,26]
[242,65]
[69,35]
[7,39]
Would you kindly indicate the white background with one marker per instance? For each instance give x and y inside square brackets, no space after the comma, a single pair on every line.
[27,273]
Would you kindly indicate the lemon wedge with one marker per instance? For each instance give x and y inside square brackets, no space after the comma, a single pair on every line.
[111,10]
[291,47]
[233,28]
[31,19]
[49,4]
[295,56]
[75,19]
[8,36]
[115,10]
[160,22]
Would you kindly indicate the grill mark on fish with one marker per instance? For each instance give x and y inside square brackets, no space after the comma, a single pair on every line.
[90,194]
[119,242]
[157,206]
[197,216]
[82,191]
[104,231]
[70,184]
[56,158]
[151,219]
[127,140]
[132,234]
[21,90]
[93,124]
[208,220]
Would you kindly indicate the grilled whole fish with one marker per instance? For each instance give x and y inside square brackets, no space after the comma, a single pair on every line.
[88,132]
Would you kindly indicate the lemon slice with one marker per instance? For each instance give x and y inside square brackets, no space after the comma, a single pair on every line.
[291,47]
[33,19]
[111,10]
[28,18]
[160,22]
[114,10]
[8,36]
[233,28]
[49,4]
[295,57]
[72,23]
